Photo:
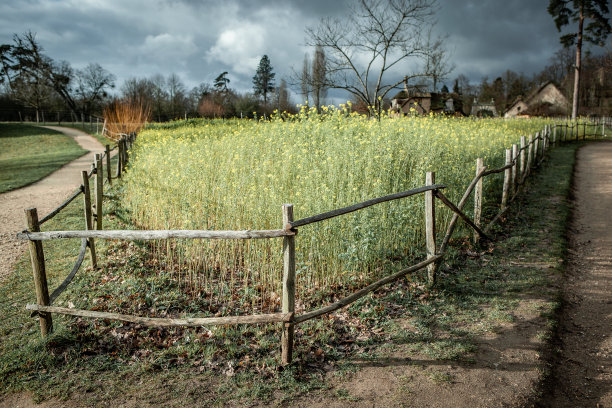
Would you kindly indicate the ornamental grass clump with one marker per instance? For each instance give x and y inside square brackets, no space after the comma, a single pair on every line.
[127,116]
[236,174]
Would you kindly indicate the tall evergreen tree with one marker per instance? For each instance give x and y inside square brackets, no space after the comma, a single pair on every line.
[221,82]
[596,32]
[263,81]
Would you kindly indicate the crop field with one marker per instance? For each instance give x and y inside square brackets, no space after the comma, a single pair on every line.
[236,174]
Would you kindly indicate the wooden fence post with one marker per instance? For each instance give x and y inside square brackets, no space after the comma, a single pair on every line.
[554,135]
[99,188]
[119,158]
[507,180]
[288,300]
[584,132]
[515,167]
[530,153]
[37,257]
[536,148]
[478,198]
[109,177]
[88,221]
[522,155]
[430,227]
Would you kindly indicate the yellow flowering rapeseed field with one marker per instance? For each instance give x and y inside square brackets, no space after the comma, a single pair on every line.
[236,174]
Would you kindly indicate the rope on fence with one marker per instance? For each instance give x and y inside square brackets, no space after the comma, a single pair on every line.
[58,291]
[63,205]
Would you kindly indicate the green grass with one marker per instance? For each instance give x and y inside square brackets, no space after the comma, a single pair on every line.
[102,362]
[30,153]
[93,131]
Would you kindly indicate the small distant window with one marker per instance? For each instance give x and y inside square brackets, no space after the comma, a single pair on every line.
[518,108]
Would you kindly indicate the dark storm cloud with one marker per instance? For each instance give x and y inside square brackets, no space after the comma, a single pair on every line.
[200,39]
[487,37]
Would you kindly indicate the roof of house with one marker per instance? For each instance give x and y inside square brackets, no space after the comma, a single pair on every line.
[531,96]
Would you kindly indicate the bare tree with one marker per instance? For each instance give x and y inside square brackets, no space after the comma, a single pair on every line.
[376,36]
[92,83]
[282,97]
[437,67]
[305,78]
[318,77]
[176,95]
[25,59]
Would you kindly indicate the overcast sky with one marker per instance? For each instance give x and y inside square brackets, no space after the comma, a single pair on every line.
[198,39]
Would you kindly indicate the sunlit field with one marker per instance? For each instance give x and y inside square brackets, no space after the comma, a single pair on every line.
[236,174]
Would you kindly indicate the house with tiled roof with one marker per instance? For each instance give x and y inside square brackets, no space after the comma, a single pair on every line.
[547,100]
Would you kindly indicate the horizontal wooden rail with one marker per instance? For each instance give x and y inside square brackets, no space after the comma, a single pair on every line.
[159,234]
[361,293]
[61,206]
[58,291]
[451,226]
[457,211]
[355,207]
[499,170]
[166,322]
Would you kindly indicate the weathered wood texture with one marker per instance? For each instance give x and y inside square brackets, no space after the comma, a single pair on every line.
[361,293]
[88,220]
[478,197]
[108,166]
[166,322]
[530,154]
[39,273]
[355,207]
[288,299]
[119,158]
[462,202]
[522,156]
[507,179]
[99,191]
[160,234]
[430,227]
[465,218]
[515,176]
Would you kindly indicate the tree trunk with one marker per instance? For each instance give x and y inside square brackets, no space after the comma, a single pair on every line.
[578,63]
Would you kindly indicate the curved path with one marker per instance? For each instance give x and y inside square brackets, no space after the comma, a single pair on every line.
[582,375]
[45,195]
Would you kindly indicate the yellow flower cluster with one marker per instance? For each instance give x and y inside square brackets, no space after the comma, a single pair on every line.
[236,174]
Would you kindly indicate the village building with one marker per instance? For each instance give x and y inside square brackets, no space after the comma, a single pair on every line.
[484,109]
[547,100]
[424,103]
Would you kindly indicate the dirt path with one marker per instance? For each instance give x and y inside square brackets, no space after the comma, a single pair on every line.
[582,376]
[45,195]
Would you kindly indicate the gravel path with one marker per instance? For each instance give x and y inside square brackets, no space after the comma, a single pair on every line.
[582,375]
[45,195]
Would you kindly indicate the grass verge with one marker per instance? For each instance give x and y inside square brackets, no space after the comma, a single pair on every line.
[30,153]
[100,362]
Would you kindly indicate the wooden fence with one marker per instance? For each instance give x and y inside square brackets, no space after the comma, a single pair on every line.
[519,162]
